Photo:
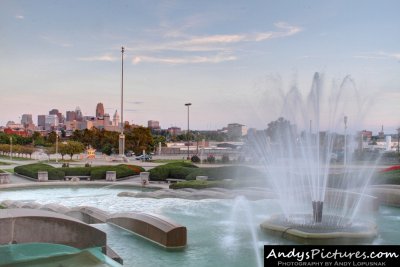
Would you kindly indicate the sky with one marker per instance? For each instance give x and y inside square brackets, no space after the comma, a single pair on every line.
[233,60]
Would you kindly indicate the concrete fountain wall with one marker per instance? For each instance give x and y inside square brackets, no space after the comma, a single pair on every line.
[29,225]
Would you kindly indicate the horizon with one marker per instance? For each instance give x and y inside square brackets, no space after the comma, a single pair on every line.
[230,59]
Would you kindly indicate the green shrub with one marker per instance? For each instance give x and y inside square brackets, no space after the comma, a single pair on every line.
[55,174]
[211,159]
[122,170]
[225,158]
[227,172]
[159,173]
[76,171]
[31,170]
[176,170]
[180,164]
[179,172]
[95,173]
[390,177]
[197,184]
[195,159]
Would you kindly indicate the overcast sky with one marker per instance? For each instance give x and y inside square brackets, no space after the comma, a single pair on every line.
[230,59]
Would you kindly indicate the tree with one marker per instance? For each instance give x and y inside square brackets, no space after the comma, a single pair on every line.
[280,130]
[51,137]
[107,149]
[74,147]
[138,139]
[63,149]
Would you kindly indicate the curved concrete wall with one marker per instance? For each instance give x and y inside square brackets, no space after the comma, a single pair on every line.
[29,225]
[387,194]
[153,227]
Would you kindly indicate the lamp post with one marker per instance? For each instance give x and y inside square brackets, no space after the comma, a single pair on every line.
[187,135]
[398,139]
[345,140]
[10,148]
[56,147]
[122,136]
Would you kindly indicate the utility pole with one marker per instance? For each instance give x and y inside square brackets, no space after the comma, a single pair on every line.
[187,135]
[122,136]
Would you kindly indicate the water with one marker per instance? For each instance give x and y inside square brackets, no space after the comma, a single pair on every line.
[223,232]
[299,148]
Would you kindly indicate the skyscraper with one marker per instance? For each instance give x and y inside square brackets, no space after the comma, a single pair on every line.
[115,119]
[58,114]
[41,121]
[99,110]
[26,119]
[79,115]
[71,116]
[153,124]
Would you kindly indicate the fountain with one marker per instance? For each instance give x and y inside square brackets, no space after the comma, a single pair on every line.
[299,166]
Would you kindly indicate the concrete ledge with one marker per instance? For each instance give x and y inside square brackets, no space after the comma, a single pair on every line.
[89,215]
[386,194]
[156,228]
[334,237]
[28,225]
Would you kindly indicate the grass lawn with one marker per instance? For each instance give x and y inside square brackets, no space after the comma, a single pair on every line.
[9,170]
[170,160]
[14,158]
[4,163]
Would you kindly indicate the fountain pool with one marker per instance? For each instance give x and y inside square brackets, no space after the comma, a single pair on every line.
[218,229]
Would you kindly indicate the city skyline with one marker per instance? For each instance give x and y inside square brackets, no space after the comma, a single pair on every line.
[224,57]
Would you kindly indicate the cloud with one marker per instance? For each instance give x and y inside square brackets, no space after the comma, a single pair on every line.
[19,17]
[219,47]
[56,41]
[379,55]
[193,49]
[107,58]
[135,102]
[184,60]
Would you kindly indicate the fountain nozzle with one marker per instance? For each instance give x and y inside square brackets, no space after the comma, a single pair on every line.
[317,211]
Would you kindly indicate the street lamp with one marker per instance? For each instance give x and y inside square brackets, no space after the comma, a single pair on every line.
[10,148]
[345,139]
[122,136]
[398,139]
[187,135]
[56,147]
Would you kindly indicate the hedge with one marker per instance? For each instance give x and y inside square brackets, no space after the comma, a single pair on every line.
[31,170]
[176,170]
[387,177]
[226,172]
[198,184]
[95,173]
[99,172]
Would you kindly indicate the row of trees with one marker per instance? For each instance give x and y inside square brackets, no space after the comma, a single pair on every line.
[28,150]
[137,139]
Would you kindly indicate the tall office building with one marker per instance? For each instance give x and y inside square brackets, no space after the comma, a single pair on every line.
[41,121]
[153,124]
[71,116]
[115,119]
[79,115]
[26,119]
[51,122]
[58,114]
[99,110]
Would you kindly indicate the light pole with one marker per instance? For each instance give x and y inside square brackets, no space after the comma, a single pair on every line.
[398,139]
[187,135]
[10,148]
[56,147]
[345,140]
[122,136]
